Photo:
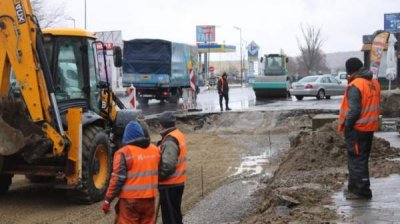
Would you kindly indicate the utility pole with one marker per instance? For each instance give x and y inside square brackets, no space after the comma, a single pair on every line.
[241,55]
[85,15]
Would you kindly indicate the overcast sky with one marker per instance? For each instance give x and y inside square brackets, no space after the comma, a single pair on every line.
[272,24]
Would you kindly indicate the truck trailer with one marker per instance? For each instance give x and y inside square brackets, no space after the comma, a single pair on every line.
[158,69]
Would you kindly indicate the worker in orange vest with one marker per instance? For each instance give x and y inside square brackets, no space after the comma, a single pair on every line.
[172,170]
[223,91]
[134,178]
[358,119]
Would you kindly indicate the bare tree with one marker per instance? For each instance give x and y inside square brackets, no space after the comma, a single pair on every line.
[48,15]
[311,59]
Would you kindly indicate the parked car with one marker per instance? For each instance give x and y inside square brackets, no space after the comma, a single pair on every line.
[342,76]
[319,86]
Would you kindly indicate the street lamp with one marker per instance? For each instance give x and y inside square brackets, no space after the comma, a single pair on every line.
[85,14]
[241,55]
[71,19]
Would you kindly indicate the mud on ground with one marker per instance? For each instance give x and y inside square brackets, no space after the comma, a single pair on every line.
[315,166]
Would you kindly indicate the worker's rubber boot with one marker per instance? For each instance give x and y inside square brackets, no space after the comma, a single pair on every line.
[353,196]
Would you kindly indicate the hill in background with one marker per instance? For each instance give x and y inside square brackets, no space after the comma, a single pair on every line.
[335,61]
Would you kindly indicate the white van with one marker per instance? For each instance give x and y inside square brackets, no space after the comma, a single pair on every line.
[342,76]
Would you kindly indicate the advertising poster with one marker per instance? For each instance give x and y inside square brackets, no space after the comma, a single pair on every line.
[392,22]
[205,34]
[377,48]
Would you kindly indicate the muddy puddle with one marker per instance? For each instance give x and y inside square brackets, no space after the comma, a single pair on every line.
[236,199]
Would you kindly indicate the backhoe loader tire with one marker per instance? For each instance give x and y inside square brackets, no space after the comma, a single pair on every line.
[96,166]
[5,182]
[40,179]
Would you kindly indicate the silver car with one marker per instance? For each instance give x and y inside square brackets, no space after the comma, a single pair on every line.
[320,86]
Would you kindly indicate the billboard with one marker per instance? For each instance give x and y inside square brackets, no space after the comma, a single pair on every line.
[252,51]
[110,39]
[392,22]
[205,34]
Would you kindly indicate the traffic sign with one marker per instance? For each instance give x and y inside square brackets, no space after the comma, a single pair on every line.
[211,69]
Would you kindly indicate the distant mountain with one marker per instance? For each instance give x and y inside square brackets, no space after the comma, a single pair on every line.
[335,61]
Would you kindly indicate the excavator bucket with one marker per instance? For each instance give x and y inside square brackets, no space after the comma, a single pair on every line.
[13,127]
[11,139]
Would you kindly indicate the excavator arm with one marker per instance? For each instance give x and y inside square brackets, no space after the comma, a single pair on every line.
[22,52]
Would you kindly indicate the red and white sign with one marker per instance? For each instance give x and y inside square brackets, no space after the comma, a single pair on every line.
[132,97]
[192,81]
[211,69]
[109,46]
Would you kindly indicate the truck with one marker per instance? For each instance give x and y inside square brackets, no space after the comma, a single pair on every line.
[58,122]
[273,80]
[158,69]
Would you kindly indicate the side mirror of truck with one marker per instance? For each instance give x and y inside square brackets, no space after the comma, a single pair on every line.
[117,53]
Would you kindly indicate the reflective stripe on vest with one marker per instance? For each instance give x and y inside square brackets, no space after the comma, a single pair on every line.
[179,176]
[370,105]
[222,84]
[142,167]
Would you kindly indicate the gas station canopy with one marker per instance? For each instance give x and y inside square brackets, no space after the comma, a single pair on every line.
[210,48]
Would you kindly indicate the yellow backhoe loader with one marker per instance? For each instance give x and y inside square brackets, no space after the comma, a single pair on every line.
[58,121]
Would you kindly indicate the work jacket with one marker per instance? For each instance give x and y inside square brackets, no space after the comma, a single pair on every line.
[135,172]
[368,118]
[179,176]
[222,86]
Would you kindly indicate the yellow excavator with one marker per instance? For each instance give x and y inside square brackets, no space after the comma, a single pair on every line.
[58,121]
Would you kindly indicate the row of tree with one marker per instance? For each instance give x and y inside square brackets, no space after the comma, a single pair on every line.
[312,59]
[48,15]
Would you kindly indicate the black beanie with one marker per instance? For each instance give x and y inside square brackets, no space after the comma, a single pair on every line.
[353,65]
[167,119]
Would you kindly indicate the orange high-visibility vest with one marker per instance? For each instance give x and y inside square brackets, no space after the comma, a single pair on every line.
[370,105]
[179,176]
[142,166]
[222,84]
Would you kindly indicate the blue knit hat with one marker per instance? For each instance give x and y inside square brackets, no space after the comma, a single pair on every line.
[132,131]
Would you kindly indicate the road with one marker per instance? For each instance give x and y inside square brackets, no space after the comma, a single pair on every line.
[241,99]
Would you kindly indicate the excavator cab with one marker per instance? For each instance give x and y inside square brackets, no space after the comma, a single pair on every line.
[72,59]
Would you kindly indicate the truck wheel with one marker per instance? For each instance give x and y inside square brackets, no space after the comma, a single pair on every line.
[40,179]
[320,94]
[174,98]
[143,101]
[96,166]
[5,182]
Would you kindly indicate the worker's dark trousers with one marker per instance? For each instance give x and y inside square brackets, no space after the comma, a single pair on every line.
[221,96]
[358,150]
[170,201]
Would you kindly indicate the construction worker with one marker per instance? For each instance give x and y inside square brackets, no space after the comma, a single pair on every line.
[358,119]
[223,91]
[134,178]
[172,170]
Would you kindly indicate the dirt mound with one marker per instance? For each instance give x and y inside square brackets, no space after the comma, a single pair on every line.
[315,166]
[390,103]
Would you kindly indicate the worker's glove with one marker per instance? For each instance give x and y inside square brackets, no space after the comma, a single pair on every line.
[106,207]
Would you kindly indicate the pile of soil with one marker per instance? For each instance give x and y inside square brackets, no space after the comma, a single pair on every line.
[390,103]
[315,166]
